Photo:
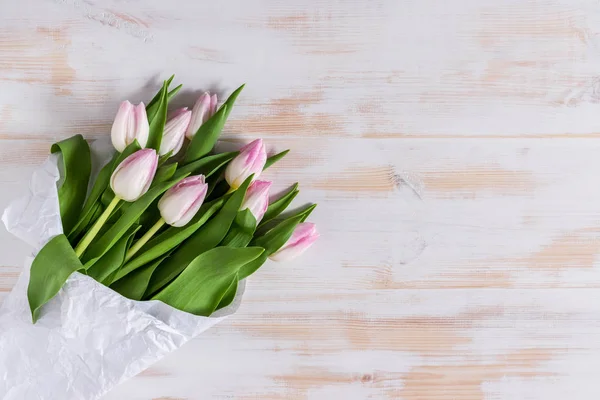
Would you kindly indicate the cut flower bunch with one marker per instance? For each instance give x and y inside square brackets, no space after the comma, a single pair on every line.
[166,218]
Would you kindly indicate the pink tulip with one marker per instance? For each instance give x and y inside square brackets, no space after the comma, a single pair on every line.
[131,123]
[257,199]
[214,101]
[303,237]
[132,178]
[251,160]
[174,132]
[205,107]
[181,202]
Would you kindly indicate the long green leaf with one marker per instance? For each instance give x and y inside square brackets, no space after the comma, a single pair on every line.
[165,173]
[152,107]
[229,295]
[274,158]
[207,165]
[279,205]
[203,284]
[114,257]
[203,239]
[98,248]
[84,222]
[50,269]
[157,124]
[169,239]
[231,100]
[77,166]
[303,213]
[133,285]
[241,231]
[206,137]
[208,133]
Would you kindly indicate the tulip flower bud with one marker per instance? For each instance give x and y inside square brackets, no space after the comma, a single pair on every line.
[257,199]
[204,108]
[181,202]
[174,132]
[303,237]
[251,160]
[132,178]
[131,123]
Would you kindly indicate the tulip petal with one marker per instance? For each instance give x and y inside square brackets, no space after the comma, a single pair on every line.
[118,133]
[257,199]
[142,127]
[199,115]
[214,101]
[174,132]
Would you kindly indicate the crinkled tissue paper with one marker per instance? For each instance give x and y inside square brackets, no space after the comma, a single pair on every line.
[89,338]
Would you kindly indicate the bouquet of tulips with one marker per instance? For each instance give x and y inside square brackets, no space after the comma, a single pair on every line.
[148,253]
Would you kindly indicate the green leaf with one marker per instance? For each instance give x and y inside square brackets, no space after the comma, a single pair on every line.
[229,295]
[303,213]
[152,107]
[241,231]
[98,248]
[133,285]
[203,284]
[208,133]
[231,100]
[206,137]
[157,124]
[274,158]
[50,269]
[251,267]
[279,205]
[217,189]
[165,173]
[84,222]
[169,239]
[207,165]
[114,257]
[164,158]
[76,170]
[153,104]
[205,238]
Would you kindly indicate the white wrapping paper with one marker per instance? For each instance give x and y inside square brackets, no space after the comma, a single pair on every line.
[89,337]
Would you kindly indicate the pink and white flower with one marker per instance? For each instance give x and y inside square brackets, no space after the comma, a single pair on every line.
[303,237]
[181,202]
[205,107]
[132,178]
[251,160]
[174,132]
[257,199]
[131,123]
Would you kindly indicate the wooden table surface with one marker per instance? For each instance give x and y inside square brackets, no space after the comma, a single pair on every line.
[453,148]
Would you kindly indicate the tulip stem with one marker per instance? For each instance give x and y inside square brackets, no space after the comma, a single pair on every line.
[91,234]
[138,245]
[230,190]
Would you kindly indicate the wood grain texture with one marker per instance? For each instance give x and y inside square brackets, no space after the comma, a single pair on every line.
[452,148]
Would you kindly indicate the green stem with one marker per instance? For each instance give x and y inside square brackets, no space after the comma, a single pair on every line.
[230,190]
[91,234]
[138,245]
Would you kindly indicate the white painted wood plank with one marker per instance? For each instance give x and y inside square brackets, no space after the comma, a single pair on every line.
[458,257]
